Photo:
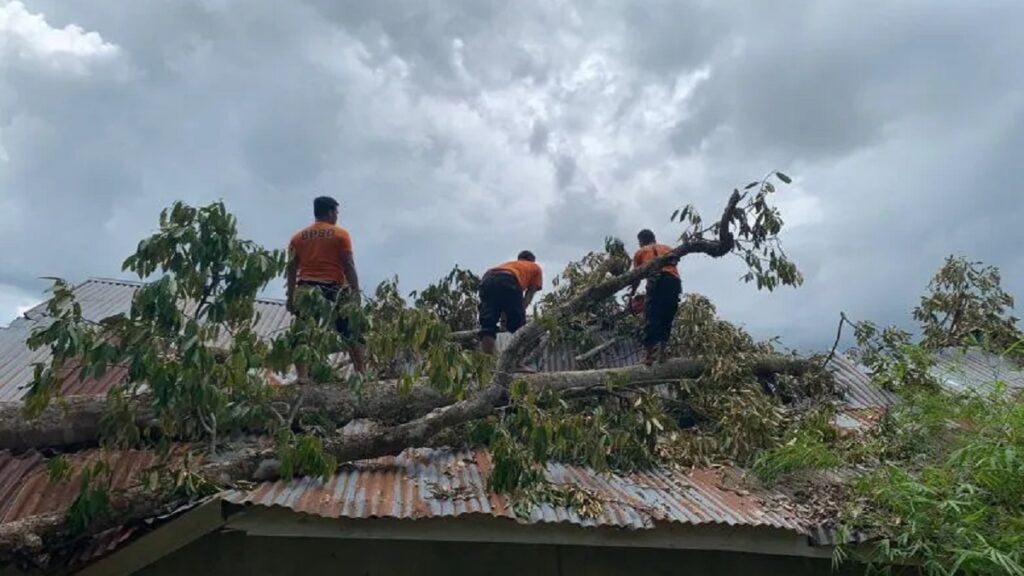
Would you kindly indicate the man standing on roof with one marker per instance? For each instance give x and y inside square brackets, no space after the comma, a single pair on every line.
[662,300]
[320,257]
[507,289]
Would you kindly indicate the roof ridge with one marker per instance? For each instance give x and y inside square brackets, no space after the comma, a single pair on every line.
[106,280]
[139,283]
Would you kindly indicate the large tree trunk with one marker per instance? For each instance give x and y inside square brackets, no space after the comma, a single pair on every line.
[76,420]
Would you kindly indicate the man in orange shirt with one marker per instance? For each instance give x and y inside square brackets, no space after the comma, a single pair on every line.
[662,300]
[320,257]
[507,289]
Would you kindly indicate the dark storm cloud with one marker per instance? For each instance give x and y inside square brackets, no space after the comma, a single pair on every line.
[462,131]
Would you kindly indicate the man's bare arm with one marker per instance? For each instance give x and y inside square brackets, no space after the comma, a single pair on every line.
[528,298]
[348,265]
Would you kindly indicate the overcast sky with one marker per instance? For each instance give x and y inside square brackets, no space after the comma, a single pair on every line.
[464,131]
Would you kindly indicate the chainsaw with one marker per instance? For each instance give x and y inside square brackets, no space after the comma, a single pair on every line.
[635,303]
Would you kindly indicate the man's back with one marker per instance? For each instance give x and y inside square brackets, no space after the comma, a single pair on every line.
[528,274]
[651,251]
[318,249]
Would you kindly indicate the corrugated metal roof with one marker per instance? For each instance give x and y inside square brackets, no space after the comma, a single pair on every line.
[961,370]
[13,471]
[26,489]
[99,298]
[560,358]
[436,483]
[854,383]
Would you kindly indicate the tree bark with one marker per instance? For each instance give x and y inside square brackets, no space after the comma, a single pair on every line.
[76,420]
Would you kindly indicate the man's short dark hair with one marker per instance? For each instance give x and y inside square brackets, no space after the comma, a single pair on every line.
[322,205]
[646,237]
[527,255]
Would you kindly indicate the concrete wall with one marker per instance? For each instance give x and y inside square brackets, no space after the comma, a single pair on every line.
[233,553]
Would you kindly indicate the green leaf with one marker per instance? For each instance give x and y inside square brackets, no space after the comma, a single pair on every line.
[58,468]
[784,178]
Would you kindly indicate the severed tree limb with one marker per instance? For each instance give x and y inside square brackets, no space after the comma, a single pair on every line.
[76,420]
[585,356]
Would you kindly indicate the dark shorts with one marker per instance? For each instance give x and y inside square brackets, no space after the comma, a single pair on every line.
[332,292]
[500,295]
[660,308]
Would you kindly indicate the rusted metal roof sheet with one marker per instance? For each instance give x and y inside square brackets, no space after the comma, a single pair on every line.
[13,471]
[435,483]
[99,298]
[26,489]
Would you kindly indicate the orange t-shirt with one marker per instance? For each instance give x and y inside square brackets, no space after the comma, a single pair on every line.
[528,274]
[318,249]
[652,251]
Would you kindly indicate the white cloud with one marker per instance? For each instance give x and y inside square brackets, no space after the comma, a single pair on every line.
[14,302]
[29,39]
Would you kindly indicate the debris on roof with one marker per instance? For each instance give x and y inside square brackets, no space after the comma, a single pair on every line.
[434,483]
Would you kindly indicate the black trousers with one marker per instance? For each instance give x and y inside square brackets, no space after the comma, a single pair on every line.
[500,294]
[660,308]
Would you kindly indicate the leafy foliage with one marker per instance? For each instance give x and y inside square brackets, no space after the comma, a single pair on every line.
[944,488]
[92,503]
[69,337]
[453,299]
[175,338]
[808,449]
[734,414]
[410,343]
[949,494]
[607,318]
[757,224]
[966,305]
[303,455]
[896,364]
[190,340]
[617,432]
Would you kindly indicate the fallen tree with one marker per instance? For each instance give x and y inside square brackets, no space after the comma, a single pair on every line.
[180,387]
[78,420]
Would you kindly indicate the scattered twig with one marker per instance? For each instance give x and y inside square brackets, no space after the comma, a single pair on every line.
[839,334]
[589,354]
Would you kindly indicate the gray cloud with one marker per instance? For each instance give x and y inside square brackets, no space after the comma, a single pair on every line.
[462,131]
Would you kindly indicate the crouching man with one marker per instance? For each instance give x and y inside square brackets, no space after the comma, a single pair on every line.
[507,290]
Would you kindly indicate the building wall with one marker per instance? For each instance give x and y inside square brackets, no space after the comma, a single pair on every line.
[233,553]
